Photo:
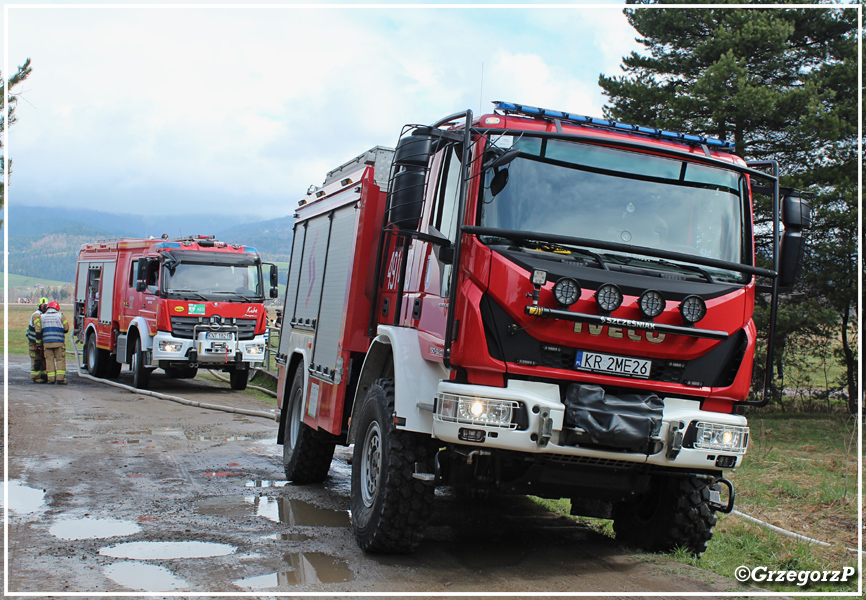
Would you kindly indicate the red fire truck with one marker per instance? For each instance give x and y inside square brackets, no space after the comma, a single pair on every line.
[174,304]
[532,302]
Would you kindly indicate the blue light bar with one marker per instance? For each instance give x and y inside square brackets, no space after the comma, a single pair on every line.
[166,246]
[532,111]
[250,250]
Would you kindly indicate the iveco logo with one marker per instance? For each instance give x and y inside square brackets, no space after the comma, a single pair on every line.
[618,333]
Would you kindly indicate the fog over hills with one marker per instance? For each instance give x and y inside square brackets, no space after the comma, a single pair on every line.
[44,243]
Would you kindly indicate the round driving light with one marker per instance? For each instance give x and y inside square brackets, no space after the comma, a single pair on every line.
[477,408]
[727,437]
[651,304]
[609,297]
[566,291]
[693,309]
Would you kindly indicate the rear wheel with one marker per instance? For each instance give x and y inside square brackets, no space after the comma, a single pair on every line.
[389,506]
[94,360]
[140,373]
[307,453]
[238,379]
[675,512]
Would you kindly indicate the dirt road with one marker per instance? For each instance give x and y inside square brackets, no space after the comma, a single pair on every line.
[112,491]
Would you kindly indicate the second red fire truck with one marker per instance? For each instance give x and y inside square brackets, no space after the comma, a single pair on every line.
[534,302]
[176,304]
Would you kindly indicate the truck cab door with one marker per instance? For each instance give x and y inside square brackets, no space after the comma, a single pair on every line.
[432,266]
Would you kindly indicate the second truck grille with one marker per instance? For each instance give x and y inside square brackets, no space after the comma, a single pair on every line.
[182,327]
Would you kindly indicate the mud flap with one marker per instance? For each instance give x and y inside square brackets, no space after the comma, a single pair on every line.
[628,421]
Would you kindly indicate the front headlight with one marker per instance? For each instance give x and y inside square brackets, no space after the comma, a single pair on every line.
[728,438]
[472,410]
[168,346]
[255,349]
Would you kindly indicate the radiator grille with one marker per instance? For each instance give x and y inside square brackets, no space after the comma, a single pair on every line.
[182,327]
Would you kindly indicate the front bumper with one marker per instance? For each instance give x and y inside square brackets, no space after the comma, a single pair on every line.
[542,430]
[169,349]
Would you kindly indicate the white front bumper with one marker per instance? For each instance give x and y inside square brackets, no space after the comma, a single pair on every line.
[542,402]
[211,352]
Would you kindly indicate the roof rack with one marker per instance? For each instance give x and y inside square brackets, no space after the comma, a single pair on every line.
[543,113]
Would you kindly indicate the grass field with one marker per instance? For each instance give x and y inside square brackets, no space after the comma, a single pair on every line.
[15,281]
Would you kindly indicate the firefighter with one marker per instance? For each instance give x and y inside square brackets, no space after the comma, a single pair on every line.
[37,352]
[51,333]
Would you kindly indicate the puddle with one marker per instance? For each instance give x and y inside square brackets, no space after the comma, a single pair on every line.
[279,510]
[306,567]
[264,483]
[193,436]
[24,500]
[166,550]
[288,537]
[140,576]
[87,528]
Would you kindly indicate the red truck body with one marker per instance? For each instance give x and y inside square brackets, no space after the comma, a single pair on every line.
[530,302]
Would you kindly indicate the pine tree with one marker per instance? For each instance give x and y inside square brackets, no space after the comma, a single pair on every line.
[780,84]
[22,74]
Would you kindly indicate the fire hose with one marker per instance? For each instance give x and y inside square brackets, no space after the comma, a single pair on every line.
[229,409]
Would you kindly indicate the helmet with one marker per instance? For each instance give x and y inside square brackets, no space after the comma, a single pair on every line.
[43,304]
[54,304]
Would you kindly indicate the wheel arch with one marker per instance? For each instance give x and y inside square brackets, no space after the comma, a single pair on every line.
[415,378]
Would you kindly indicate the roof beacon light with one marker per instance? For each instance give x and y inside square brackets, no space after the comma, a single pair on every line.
[531,111]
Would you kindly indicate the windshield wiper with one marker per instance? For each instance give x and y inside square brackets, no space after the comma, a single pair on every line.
[193,292]
[560,249]
[660,261]
[236,294]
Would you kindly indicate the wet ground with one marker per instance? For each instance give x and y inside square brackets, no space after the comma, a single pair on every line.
[115,492]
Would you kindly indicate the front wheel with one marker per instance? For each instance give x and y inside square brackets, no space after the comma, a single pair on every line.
[307,453]
[140,373]
[674,512]
[389,506]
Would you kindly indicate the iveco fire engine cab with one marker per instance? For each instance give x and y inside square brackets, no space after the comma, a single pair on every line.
[532,302]
[176,304]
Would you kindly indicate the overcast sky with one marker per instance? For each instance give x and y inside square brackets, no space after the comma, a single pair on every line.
[238,110]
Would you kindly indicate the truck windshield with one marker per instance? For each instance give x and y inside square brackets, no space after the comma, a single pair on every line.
[600,193]
[239,283]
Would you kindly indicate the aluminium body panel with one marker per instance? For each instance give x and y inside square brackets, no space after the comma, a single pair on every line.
[334,296]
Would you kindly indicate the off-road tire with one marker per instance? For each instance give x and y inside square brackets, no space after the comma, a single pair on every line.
[140,373]
[390,508]
[94,359]
[238,379]
[307,453]
[675,512]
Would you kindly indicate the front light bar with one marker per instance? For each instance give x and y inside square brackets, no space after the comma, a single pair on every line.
[472,410]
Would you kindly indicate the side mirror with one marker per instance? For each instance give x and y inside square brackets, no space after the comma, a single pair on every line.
[797,217]
[275,292]
[501,158]
[140,286]
[275,277]
[406,195]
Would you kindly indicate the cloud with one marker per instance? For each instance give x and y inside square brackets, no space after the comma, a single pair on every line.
[147,108]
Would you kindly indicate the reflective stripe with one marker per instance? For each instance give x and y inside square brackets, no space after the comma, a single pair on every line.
[54,327]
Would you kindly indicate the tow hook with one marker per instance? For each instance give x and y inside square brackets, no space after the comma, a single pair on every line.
[716,497]
[545,429]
